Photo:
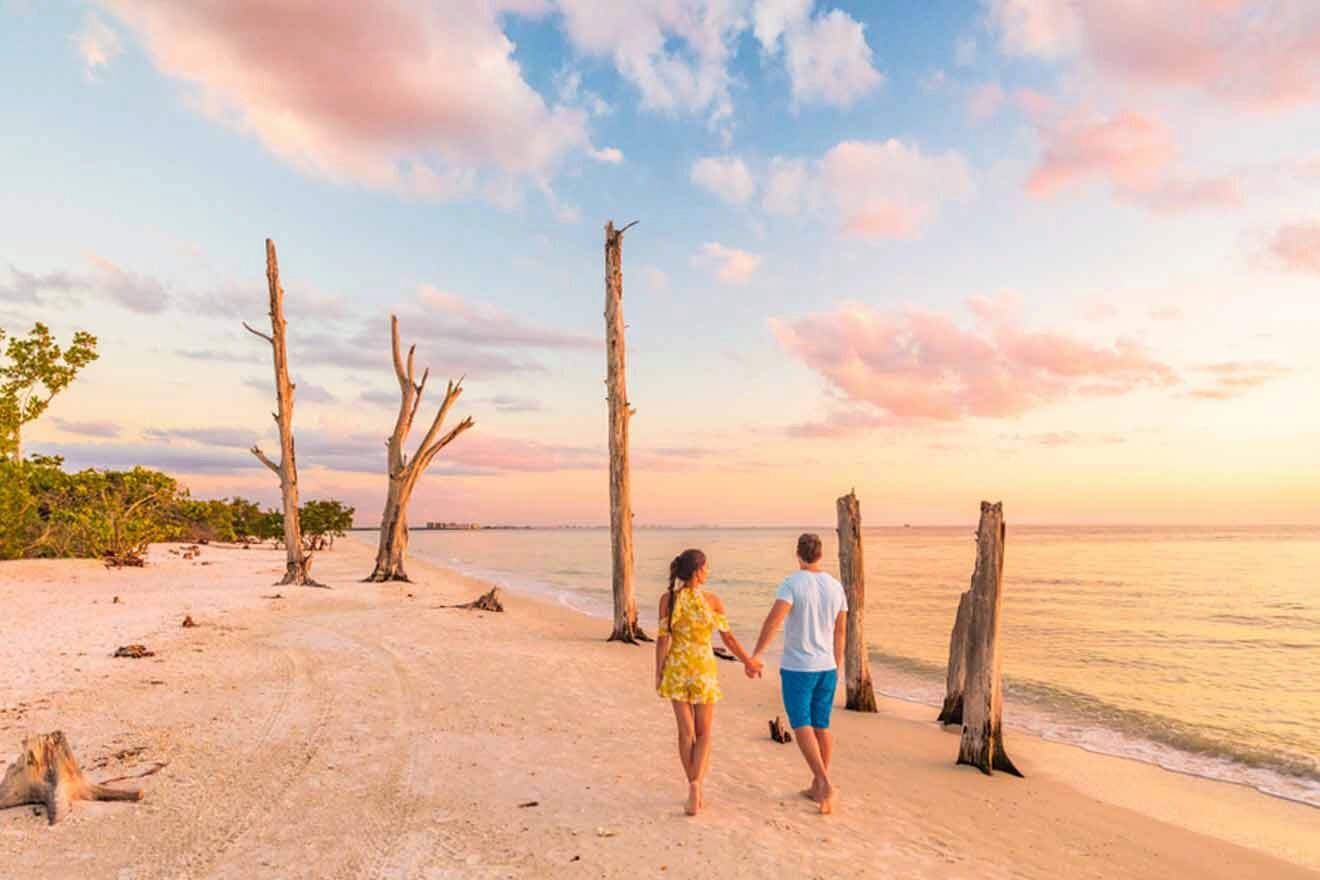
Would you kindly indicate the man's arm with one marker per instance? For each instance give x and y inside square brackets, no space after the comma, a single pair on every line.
[773,621]
[840,636]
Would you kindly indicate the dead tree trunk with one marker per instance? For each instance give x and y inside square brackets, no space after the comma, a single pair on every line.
[626,627]
[298,564]
[856,660]
[952,710]
[404,472]
[47,773]
[982,743]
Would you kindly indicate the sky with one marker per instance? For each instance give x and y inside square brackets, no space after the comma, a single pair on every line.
[1059,253]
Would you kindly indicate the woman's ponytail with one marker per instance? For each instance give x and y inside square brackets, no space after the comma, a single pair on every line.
[683,568]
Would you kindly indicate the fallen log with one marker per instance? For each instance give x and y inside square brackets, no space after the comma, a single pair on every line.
[133,652]
[47,773]
[485,602]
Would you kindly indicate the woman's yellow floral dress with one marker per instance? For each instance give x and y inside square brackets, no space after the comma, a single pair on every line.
[690,675]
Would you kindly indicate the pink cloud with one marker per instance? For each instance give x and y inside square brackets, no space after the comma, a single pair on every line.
[732,266]
[1297,247]
[917,364]
[419,98]
[1135,154]
[984,100]
[1129,149]
[1258,54]
[890,189]
[1229,379]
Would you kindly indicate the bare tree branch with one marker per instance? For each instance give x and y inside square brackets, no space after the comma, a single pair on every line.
[261,457]
[258,333]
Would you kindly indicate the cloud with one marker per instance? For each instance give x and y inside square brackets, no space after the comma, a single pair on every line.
[609,155]
[1134,154]
[1296,247]
[97,44]
[1257,54]
[732,266]
[508,403]
[87,429]
[869,189]
[918,364]
[1070,438]
[675,53]
[839,423]
[984,100]
[827,56]
[380,398]
[726,177]
[445,111]
[237,438]
[304,392]
[444,315]
[890,189]
[229,356]
[1229,379]
[137,293]
[27,287]
[655,278]
[173,459]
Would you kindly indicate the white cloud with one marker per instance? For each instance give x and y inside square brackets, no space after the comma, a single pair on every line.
[725,176]
[732,266]
[97,43]
[1045,28]
[610,155]
[827,55]
[871,189]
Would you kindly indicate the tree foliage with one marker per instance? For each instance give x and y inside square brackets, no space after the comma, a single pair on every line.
[36,370]
[322,522]
[46,511]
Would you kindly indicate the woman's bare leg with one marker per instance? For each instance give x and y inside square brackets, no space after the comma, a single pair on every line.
[704,724]
[684,717]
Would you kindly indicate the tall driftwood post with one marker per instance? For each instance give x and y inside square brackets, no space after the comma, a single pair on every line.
[404,472]
[298,564]
[856,661]
[956,677]
[626,627]
[982,743]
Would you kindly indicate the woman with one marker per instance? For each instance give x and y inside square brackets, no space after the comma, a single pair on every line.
[685,671]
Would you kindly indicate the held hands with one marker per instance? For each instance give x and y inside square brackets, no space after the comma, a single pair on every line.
[753,667]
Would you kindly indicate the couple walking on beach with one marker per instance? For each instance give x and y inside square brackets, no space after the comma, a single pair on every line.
[811,606]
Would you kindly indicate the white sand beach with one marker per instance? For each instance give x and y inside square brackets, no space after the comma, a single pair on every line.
[366,732]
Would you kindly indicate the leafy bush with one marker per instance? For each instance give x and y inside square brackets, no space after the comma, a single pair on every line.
[322,522]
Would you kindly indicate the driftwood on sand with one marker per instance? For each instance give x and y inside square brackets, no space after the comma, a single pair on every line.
[488,601]
[955,679]
[860,695]
[626,628]
[47,773]
[982,743]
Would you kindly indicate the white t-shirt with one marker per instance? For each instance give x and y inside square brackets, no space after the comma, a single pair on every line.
[817,598]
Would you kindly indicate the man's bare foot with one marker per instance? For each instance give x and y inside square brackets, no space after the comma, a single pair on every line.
[811,792]
[693,805]
[826,800]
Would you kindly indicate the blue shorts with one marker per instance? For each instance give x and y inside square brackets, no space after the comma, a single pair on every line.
[808,696]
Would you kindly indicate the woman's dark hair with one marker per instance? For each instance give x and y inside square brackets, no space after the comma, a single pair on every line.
[684,566]
[809,548]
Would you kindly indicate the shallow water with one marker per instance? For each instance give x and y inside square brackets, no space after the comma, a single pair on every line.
[1194,648]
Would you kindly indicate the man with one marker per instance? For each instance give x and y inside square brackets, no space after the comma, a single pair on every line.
[816,609]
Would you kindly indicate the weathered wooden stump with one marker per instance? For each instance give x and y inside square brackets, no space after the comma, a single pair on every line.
[779,731]
[489,601]
[856,662]
[47,773]
[952,710]
[982,743]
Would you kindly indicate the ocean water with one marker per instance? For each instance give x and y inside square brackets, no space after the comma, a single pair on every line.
[1197,649]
